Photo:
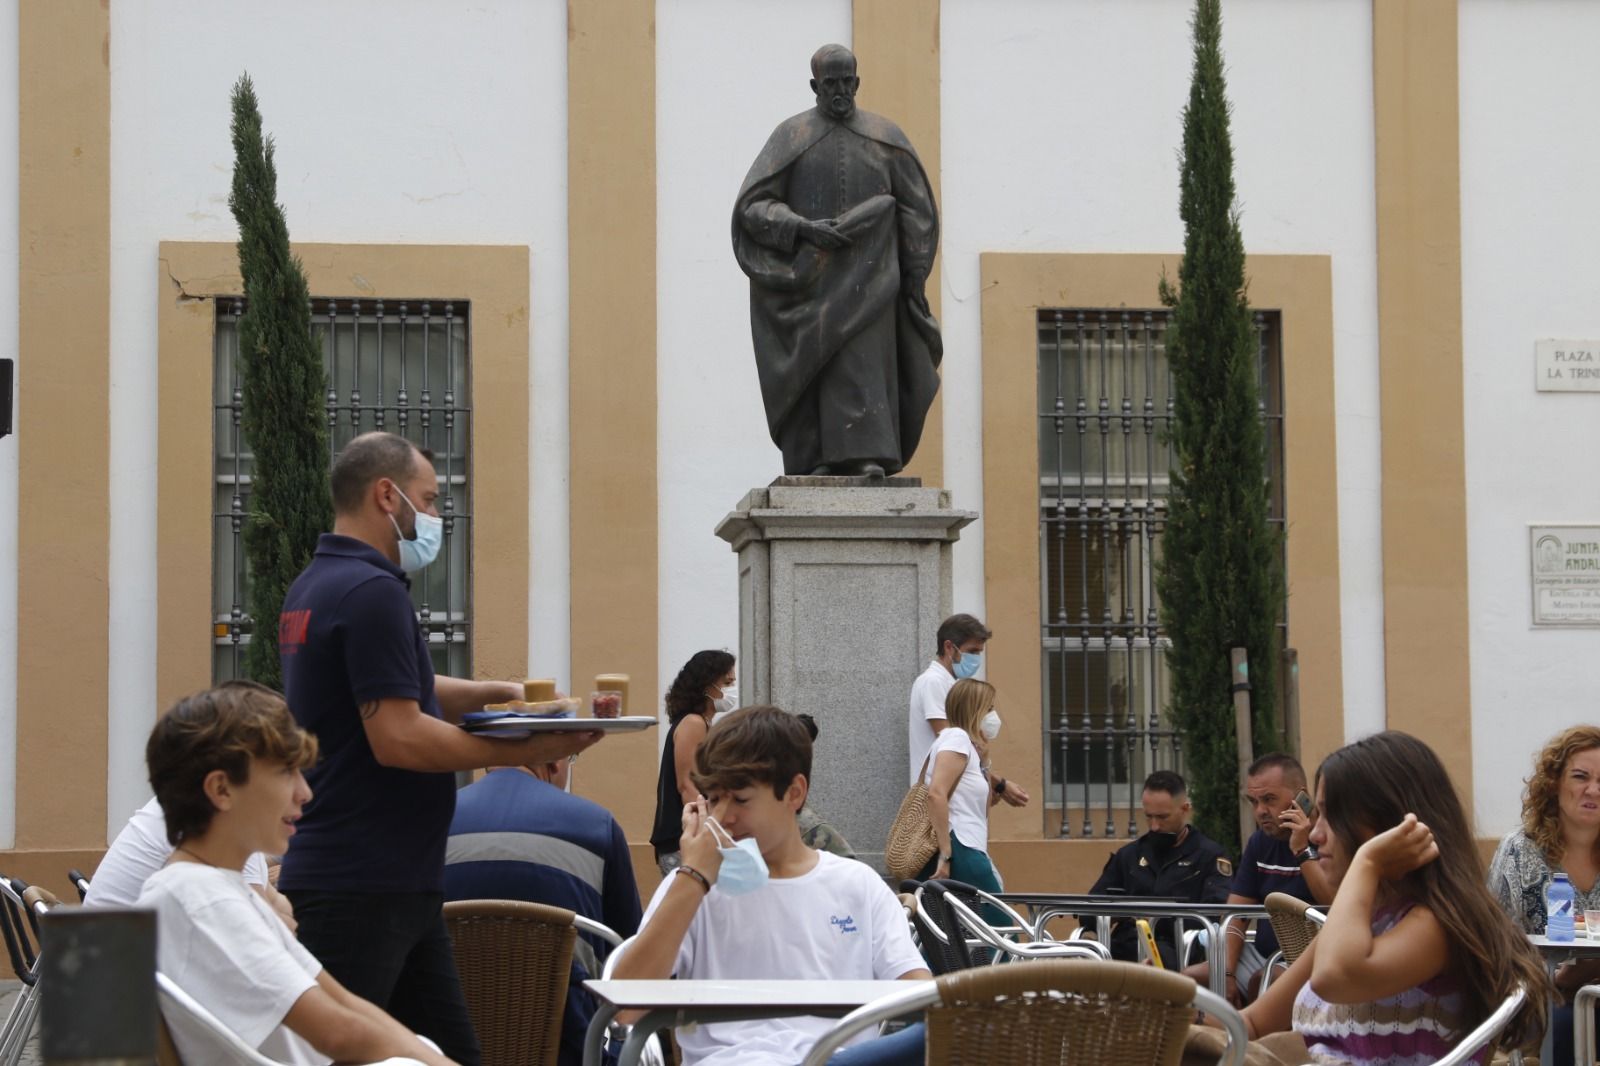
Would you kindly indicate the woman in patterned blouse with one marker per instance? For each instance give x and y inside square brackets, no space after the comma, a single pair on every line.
[1560,832]
[1415,952]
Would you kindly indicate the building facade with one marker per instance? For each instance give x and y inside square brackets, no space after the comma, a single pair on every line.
[558,178]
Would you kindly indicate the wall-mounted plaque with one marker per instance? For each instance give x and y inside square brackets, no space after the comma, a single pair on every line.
[1565,565]
[1567,365]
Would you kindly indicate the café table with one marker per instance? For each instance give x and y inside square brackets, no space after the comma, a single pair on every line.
[674,1003]
[1214,918]
[1554,953]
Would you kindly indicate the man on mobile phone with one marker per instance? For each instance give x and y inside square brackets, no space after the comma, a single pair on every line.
[1277,858]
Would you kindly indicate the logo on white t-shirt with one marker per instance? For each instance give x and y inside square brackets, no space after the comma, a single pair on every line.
[847,924]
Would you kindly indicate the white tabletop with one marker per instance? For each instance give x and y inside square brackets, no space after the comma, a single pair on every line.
[802,996]
[1581,945]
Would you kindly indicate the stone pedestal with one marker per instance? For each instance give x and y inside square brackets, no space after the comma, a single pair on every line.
[842,585]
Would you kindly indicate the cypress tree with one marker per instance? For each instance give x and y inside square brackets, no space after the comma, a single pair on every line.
[283,384]
[1221,581]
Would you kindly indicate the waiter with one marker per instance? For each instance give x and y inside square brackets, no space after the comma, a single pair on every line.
[1173,859]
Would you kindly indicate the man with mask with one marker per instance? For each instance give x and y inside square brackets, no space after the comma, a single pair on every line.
[960,642]
[1172,859]
[365,867]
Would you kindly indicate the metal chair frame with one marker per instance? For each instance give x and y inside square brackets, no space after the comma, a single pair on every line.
[1004,950]
[919,999]
[178,1001]
[616,1032]
[1487,1030]
[1583,1008]
[22,945]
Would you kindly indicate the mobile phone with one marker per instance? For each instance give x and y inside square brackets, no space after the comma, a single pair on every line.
[1303,801]
[1150,943]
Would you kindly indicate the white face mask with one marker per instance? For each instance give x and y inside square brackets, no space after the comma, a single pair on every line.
[990,726]
[729,700]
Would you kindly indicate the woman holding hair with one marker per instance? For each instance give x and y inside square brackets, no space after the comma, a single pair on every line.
[702,688]
[959,795]
[1560,834]
[1416,952]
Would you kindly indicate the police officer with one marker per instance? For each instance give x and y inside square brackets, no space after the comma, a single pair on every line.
[1172,859]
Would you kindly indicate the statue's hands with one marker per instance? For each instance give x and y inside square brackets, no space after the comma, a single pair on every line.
[824,233]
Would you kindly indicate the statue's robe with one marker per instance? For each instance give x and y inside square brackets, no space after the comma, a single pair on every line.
[847,359]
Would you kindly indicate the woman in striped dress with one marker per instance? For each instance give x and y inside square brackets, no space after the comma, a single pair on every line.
[1416,951]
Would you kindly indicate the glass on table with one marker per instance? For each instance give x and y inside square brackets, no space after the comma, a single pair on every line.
[1591,921]
[605,704]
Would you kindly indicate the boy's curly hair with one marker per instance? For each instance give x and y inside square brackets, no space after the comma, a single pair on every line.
[219,729]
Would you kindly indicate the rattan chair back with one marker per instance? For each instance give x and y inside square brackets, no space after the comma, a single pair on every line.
[514,959]
[1295,922]
[1067,1012]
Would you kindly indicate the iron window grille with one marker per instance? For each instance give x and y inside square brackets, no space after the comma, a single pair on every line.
[1105,394]
[398,365]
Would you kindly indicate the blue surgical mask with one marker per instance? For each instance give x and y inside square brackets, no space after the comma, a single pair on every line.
[743,869]
[968,665]
[424,549]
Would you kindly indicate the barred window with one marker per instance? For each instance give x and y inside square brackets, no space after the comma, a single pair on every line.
[1105,396]
[400,366]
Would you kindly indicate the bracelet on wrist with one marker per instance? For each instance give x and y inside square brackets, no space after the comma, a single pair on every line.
[999,786]
[690,871]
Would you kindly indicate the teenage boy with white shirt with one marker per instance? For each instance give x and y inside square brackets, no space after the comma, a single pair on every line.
[141,848]
[961,641]
[226,766]
[768,907]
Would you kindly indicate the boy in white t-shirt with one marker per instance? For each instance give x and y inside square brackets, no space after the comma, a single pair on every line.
[790,914]
[226,766]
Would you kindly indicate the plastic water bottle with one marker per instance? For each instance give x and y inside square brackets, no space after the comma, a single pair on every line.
[1559,900]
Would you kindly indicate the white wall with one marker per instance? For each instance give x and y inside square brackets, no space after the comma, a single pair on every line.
[1108,80]
[1529,220]
[727,72]
[9,248]
[395,122]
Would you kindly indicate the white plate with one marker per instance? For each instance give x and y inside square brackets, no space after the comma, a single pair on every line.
[522,727]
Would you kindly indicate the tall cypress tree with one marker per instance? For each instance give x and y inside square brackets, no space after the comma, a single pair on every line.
[283,385]
[1221,581]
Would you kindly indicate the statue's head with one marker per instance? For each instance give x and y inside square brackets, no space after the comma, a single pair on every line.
[833,79]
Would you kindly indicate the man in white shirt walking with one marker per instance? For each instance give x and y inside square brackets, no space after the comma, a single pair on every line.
[961,640]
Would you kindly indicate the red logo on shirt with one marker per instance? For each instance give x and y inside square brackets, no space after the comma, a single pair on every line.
[292,626]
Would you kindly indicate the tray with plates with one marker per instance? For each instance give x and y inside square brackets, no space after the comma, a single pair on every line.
[500,723]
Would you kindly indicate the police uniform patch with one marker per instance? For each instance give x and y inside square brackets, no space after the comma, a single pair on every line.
[1224,867]
[1143,861]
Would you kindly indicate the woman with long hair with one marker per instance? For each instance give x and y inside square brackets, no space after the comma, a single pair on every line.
[959,795]
[1560,834]
[1416,951]
[703,687]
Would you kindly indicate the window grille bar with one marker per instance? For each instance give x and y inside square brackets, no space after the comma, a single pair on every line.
[1106,384]
[369,376]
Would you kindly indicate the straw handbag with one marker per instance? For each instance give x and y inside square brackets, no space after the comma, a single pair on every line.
[912,841]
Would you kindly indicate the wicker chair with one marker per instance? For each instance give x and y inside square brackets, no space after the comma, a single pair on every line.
[1296,924]
[1075,1013]
[514,959]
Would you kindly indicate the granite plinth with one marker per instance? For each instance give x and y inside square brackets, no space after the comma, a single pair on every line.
[842,585]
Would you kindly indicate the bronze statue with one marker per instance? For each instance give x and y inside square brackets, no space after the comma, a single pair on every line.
[836,227]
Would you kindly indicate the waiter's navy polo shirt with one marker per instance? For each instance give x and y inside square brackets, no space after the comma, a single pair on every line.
[349,635]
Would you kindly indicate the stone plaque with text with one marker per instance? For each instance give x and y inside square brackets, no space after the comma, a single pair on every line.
[1567,365]
[1565,565]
